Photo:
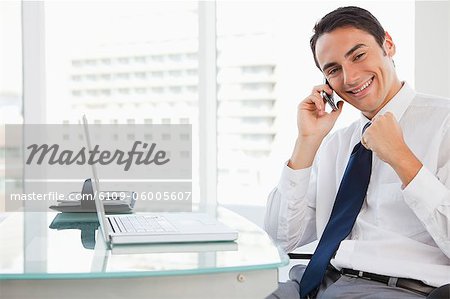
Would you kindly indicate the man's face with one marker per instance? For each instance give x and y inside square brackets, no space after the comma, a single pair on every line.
[358,69]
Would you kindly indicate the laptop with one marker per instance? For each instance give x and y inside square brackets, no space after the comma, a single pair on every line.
[155,227]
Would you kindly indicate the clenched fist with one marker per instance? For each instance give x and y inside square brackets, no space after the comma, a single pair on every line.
[385,138]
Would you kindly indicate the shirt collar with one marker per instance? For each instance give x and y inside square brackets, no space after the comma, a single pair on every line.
[397,105]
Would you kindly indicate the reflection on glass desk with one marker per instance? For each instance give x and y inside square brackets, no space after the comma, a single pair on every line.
[36,255]
[87,223]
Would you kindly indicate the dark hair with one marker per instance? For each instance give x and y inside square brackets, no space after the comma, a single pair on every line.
[350,16]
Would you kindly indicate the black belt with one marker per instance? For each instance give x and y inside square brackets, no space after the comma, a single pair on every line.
[404,283]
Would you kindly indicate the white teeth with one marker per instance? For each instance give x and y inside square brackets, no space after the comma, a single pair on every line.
[363,87]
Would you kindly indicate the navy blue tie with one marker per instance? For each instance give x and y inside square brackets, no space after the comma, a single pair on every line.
[348,203]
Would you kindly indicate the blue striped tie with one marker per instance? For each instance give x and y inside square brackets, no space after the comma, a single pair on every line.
[347,205]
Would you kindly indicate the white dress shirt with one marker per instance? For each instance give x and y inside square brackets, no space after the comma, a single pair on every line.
[400,233]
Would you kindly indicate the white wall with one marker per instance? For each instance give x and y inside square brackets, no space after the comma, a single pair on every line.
[432,44]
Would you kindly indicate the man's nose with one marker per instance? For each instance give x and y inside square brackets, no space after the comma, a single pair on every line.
[350,76]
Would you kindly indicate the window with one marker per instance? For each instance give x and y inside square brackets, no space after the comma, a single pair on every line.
[10,81]
[122,63]
[11,62]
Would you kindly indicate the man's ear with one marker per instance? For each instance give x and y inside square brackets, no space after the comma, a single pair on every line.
[388,46]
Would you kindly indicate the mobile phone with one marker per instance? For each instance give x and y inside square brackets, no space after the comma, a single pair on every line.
[329,98]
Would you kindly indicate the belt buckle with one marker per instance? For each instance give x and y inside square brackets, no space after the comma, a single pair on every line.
[360,274]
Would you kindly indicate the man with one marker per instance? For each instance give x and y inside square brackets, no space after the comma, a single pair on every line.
[397,244]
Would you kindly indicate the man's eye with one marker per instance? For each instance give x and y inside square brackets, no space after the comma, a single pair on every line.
[359,56]
[333,71]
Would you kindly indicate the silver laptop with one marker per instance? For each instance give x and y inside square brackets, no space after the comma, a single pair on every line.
[155,227]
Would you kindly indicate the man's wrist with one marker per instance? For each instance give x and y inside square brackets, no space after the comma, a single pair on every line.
[310,140]
[406,165]
[304,152]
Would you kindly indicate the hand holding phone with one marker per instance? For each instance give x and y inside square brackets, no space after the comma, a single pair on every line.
[329,98]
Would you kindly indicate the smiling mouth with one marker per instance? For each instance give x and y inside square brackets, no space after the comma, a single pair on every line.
[357,91]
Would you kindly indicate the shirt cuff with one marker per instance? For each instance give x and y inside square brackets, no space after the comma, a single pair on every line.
[294,182]
[424,193]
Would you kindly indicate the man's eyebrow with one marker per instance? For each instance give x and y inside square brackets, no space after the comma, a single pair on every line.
[328,65]
[349,52]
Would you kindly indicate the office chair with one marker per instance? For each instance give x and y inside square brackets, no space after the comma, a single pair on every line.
[300,256]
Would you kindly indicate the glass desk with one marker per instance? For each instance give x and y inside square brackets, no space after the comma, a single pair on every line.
[50,255]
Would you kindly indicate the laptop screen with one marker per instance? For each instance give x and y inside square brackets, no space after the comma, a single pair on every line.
[96,187]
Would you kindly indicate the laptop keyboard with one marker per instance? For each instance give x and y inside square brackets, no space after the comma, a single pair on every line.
[141,224]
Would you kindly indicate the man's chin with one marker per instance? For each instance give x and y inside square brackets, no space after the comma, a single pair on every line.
[367,111]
